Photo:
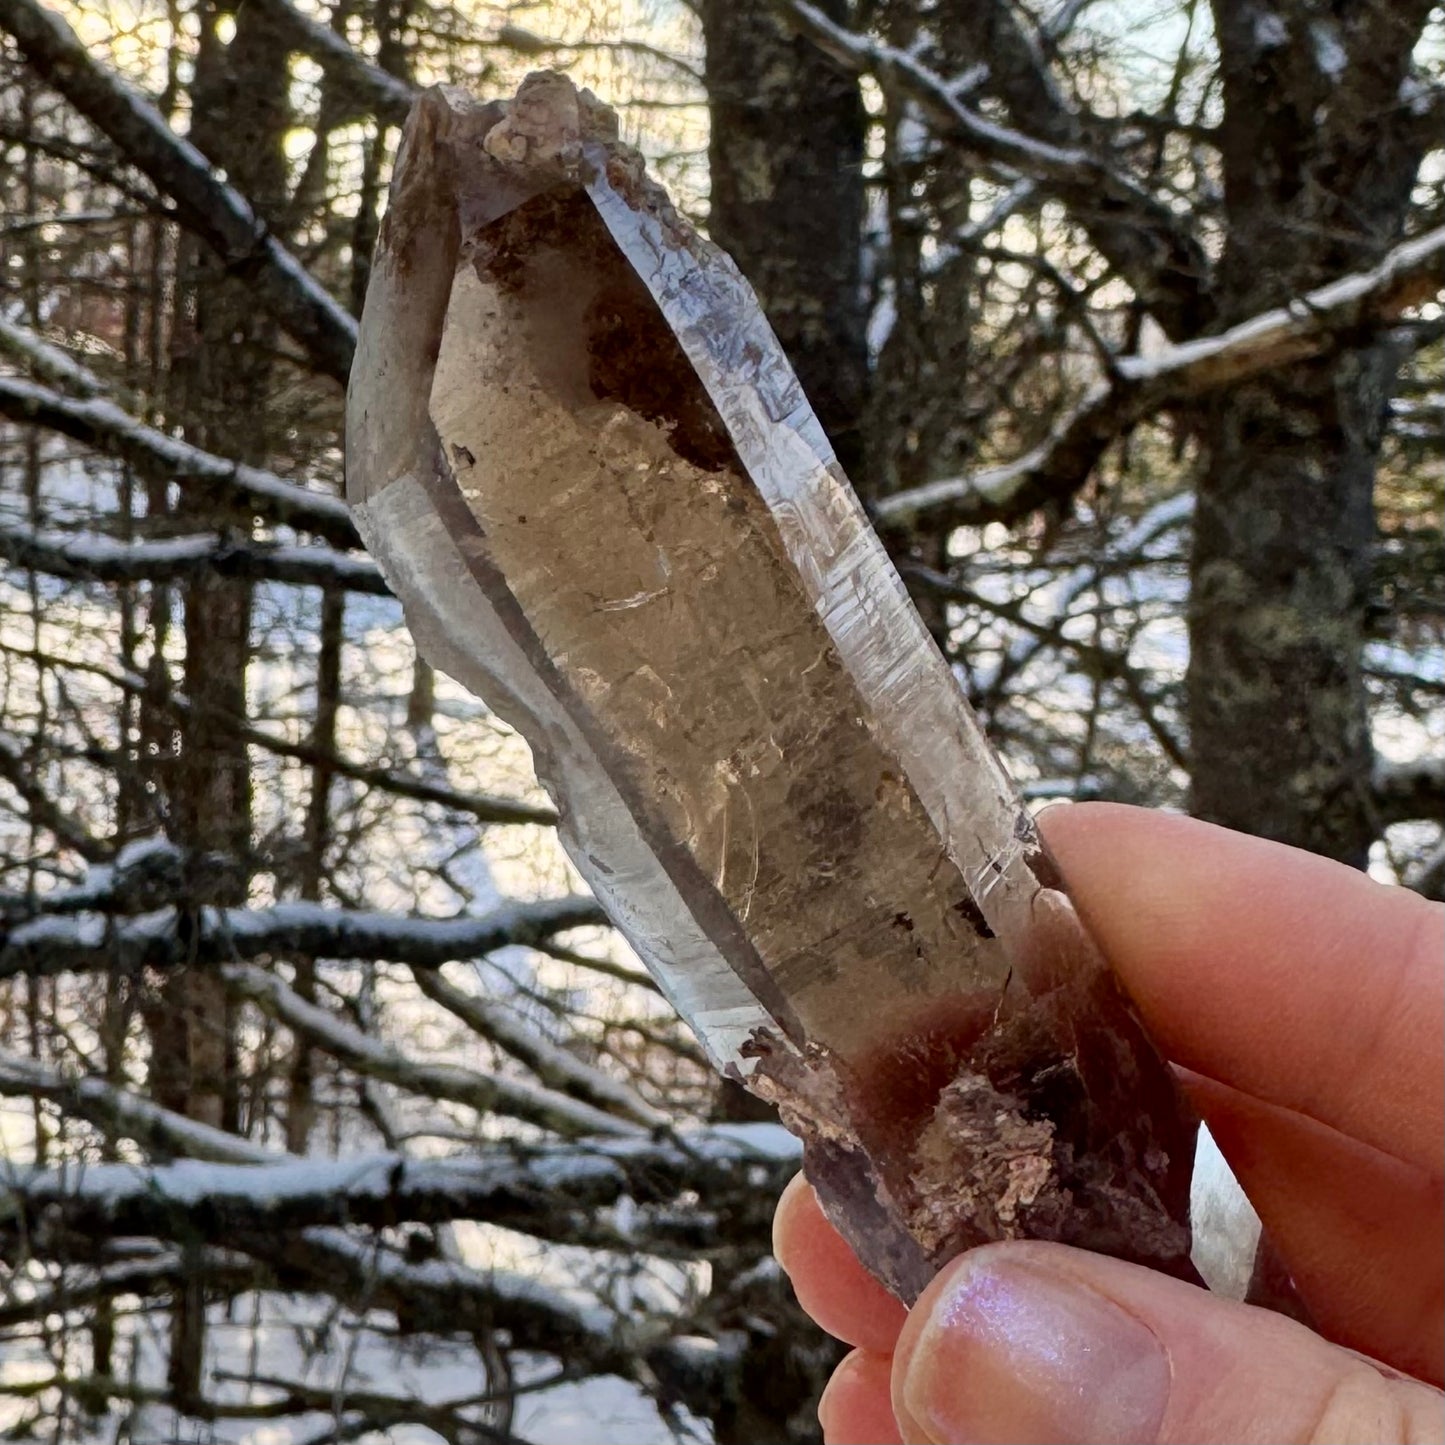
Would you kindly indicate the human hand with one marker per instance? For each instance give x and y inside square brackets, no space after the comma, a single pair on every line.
[1304,1005]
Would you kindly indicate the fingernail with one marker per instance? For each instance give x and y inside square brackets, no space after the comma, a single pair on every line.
[1014,1353]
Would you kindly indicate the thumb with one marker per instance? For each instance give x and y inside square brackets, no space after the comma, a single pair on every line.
[1041,1343]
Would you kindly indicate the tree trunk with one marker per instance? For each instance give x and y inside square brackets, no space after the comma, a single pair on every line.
[224,352]
[1283,535]
[1319,158]
[300,1095]
[786,158]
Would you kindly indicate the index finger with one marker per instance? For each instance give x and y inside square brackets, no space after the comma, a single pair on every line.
[830,1283]
[1281,974]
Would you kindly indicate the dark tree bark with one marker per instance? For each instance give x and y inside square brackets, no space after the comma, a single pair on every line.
[786,159]
[300,1098]
[223,361]
[1319,156]
[222,367]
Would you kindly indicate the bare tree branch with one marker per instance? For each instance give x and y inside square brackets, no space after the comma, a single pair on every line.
[526,42]
[351,76]
[205,204]
[484,807]
[45,812]
[158,1272]
[1159,254]
[447,1298]
[1149,245]
[1163,517]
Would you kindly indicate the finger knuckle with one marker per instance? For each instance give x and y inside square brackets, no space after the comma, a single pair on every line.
[1362,1407]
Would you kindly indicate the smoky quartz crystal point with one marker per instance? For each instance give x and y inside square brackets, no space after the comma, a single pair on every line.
[581,459]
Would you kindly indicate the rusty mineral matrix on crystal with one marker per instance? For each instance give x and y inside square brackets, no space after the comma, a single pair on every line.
[581,459]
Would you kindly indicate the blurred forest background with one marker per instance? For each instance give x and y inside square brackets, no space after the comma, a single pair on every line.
[331,1110]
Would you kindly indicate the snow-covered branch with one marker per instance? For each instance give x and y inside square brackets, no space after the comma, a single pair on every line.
[1141,385]
[100,423]
[938,100]
[88,557]
[51,362]
[91,943]
[485,1093]
[235,933]
[446,1297]
[144,874]
[1410,275]
[555,1067]
[619,1195]
[205,203]
[1420,419]
[119,1114]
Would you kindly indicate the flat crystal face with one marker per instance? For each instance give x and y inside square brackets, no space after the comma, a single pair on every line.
[654,579]
[585,464]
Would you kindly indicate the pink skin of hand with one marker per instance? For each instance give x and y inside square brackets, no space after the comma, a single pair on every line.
[1304,1006]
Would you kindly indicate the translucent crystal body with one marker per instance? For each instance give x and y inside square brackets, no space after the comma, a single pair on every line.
[582,460]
